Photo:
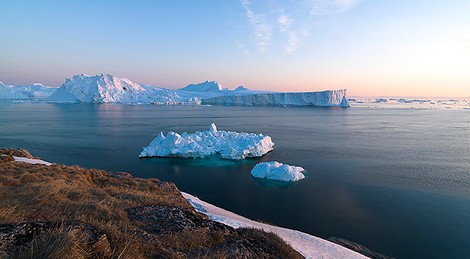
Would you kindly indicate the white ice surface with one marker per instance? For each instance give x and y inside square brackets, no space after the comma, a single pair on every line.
[35,91]
[7,92]
[411,103]
[207,86]
[228,144]
[308,245]
[111,89]
[325,99]
[31,161]
[278,171]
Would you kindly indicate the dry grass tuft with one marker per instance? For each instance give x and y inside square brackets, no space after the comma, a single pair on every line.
[70,193]
[62,244]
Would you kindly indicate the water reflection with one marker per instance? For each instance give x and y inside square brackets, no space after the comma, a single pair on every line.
[379,177]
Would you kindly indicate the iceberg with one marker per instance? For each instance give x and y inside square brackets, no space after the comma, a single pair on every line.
[7,92]
[228,144]
[111,89]
[207,86]
[329,98]
[241,88]
[35,91]
[381,100]
[211,89]
[278,171]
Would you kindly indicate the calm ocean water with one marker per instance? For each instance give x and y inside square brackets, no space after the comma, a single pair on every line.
[394,180]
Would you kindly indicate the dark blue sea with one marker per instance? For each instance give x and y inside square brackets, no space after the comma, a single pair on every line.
[395,180]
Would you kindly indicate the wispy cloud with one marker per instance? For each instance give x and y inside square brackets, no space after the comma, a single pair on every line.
[325,7]
[262,29]
[285,24]
[292,42]
[243,47]
[263,16]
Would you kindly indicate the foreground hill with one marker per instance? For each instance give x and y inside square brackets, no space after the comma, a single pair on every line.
[60,211]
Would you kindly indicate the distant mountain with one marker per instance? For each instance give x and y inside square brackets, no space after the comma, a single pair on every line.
[207,86]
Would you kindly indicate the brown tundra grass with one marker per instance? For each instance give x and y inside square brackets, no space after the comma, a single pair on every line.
[61,193]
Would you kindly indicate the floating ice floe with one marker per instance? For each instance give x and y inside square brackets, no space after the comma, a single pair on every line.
[278,171]
[228,144]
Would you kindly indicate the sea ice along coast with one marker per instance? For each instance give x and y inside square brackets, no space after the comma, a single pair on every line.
[228,144]
[278,171]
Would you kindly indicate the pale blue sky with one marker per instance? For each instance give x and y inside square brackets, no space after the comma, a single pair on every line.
[371,47]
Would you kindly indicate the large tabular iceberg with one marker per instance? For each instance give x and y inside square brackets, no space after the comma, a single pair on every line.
[278,171]
[325,98]
[229,144]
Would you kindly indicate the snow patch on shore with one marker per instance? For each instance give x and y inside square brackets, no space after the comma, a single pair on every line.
[31,161]
[307,245]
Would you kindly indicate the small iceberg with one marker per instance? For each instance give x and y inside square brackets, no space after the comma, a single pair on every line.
[228,144]
[278,171]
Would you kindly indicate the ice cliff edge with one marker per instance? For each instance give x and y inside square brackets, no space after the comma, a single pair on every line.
[329,98]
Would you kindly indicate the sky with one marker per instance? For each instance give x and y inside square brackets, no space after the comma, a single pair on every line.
[370,47]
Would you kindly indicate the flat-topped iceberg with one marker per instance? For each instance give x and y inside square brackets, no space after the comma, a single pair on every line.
[228,144]
[278,171]
[330,98]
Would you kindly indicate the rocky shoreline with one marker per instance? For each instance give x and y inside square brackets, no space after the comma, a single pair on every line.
[68,211]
